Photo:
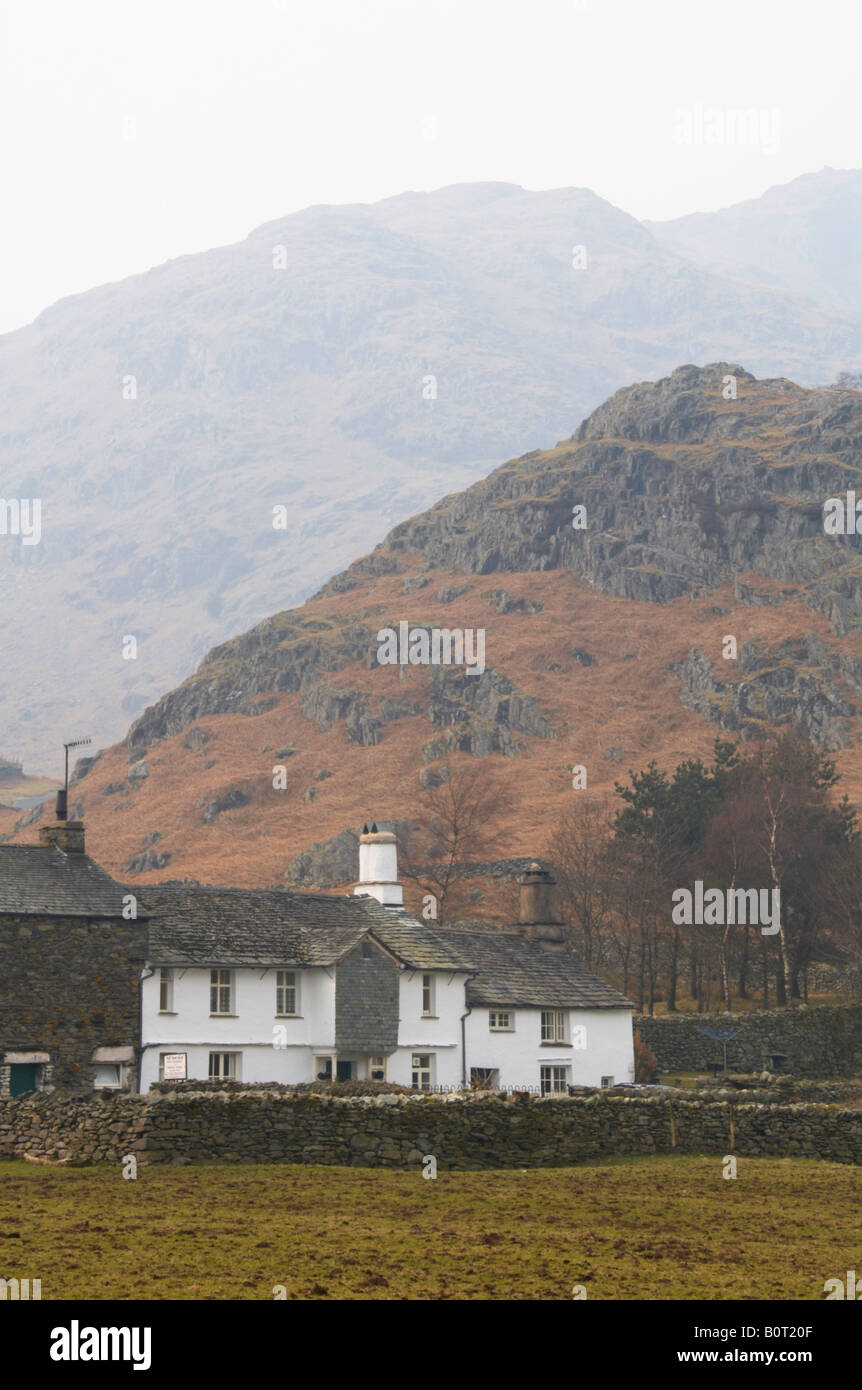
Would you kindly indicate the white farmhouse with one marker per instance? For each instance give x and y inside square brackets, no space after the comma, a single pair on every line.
[289,987]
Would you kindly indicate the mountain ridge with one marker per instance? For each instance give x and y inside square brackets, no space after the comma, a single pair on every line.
[403,350]
[604,646]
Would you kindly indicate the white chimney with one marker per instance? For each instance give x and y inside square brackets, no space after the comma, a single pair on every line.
[378,867]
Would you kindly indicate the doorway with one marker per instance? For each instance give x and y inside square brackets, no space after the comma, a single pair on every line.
[343,1071]
[22,1077]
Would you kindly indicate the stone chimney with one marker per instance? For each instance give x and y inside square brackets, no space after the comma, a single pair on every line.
[378,867]
[537,918]
[67,835]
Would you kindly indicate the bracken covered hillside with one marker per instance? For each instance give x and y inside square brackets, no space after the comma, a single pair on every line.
[704,518]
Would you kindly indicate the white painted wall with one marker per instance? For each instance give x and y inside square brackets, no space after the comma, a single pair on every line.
[607,1037]
[440,1034]
[607,1048]
[191,1029]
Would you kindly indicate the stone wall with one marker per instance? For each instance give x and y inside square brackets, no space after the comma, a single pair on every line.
[397,1131]
[824,1040]
[69,985]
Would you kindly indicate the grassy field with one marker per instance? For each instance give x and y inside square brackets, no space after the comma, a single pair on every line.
[645,1228]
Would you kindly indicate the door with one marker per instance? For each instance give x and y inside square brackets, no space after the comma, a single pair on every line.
[344,1071]
[22,1078]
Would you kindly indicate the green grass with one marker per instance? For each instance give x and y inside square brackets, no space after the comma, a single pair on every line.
[645,1228]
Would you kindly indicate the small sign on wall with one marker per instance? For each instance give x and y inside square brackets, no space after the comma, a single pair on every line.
[174,1066]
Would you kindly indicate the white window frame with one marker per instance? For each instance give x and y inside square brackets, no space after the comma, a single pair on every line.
[378,1062]
[491,1082]
[166,990]
[422,1071]
[221,980]
[233,1066]
[494,1024]
[555,1026]
[607,1082]
[317,1065]
[557,1083]
[283,990]
[117,1085]
[429,995]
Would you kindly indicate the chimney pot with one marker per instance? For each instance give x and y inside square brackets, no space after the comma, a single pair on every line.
[378,867]
[537,917]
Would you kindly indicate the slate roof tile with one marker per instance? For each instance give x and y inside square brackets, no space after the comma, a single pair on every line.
[233,927]
[510,970]
[42,880]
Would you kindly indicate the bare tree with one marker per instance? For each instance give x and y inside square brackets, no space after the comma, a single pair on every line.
[459,823]
[578,849]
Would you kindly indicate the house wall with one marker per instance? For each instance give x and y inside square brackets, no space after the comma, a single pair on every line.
[439,1035]
[68,986]
[361,1008]
[285,1056]
[603,1048]
[369,1006]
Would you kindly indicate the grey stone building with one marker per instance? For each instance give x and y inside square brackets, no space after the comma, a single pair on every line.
[71,953]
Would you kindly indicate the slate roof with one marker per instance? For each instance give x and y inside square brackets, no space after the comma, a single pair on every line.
[41,880]
[513,971]
[197,925]
[417,945]
[193,925]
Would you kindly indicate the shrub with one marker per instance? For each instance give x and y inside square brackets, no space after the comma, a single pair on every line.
[646,1062]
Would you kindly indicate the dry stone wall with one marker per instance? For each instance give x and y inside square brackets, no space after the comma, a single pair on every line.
[397,1131]
[821,1040]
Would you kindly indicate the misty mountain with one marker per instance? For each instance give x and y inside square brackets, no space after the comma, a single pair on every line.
[803,234]
[348,365]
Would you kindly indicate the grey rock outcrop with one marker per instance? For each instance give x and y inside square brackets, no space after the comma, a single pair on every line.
[795,684]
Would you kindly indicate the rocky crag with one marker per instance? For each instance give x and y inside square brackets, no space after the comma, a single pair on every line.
[697,504]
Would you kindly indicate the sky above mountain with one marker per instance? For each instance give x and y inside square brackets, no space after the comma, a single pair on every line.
[140,132]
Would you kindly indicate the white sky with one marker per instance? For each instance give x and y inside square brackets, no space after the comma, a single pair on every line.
[245,110]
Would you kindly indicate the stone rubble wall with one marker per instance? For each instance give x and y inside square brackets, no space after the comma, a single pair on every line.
[819,1040]
[397,1131]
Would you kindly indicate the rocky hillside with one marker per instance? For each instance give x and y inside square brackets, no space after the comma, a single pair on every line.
[348,365]
[604,642]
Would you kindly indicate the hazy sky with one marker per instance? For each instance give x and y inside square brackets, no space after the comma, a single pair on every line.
[132,131]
